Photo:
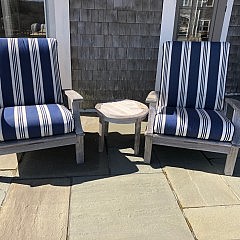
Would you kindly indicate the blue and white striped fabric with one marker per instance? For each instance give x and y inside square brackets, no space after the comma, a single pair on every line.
[24,122]
[193,75]
[29,72]
[194,123]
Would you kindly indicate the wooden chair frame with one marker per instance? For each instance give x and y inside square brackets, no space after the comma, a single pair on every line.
[229,148]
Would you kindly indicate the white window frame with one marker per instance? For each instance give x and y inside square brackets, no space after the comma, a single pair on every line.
[58,26]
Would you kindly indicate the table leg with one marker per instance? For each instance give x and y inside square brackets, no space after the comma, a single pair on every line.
[102,130]
[137,136]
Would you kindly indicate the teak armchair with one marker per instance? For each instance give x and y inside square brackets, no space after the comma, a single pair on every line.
[189,110]
[32,114]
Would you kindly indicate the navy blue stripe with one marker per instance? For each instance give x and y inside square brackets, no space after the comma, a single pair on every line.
[5,74]
[26,71]
[217,125]
[193,74]
[57,119]
[33,122]
[8,125]
[171,121]
[213,75]
[46,71]
[174,74]
[193,123]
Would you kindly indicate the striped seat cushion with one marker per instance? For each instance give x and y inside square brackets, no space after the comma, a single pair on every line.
[29,72]
[194,123]
[23,122]
[194,74]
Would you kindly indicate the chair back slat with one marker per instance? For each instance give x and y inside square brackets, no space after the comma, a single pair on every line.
[29,72]
[194,74]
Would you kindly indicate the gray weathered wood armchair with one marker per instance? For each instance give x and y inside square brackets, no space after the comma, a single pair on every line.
[32,114]
[189,110]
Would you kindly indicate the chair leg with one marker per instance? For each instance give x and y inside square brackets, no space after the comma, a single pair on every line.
[230,161]
[102,132]
[137,137]
[148,149]
[80,149]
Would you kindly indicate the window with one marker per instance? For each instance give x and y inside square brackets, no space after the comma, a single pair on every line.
[22,18]
[194,20]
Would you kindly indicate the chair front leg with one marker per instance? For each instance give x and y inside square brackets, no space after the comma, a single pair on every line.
[148,149]
[79,132]
[80,149]
[230,161]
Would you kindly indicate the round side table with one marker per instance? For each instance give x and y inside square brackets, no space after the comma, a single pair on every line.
[121,112]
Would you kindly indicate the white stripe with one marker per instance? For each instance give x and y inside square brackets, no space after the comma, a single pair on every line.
[45,121]
[203,75]
[184,74]
[66,130]
[40,119]
[185,122]
[222,79]
[36,71]
[25,125]
[182,122]
[1,96]
[163,122]
[226,122]
[1,133]
[49,120]
[52,68]
[16,73]
[16,122]
[205,124]
[178,122]
[219,78]
[20,121]
[163,99]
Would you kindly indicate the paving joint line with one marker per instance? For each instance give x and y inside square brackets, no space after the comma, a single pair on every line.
[212,206]
[69,206]
[180,205]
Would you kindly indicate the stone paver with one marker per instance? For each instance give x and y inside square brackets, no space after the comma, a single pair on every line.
[8,162]
[218,223]
[197,189]
[4,186]
[123,161]
[137,206]
[36,209]
[194,180]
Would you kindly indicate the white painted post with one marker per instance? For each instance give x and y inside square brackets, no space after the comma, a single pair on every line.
[166,33]
[226,20]
[58,26]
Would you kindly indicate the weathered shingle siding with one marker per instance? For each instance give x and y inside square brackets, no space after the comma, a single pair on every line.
[114,47]
[233,79]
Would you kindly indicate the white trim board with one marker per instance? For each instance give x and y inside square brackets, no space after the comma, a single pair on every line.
[166,33]
[226,20]
[58,26]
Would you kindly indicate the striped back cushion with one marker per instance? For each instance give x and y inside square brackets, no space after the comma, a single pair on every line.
[29,72]
[194,74]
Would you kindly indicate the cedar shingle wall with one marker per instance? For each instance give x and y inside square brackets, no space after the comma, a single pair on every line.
[233,77]
[114,47]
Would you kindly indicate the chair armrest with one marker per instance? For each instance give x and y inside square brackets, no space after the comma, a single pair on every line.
[235,105]
[72,96]
[152,97]
[74,100]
